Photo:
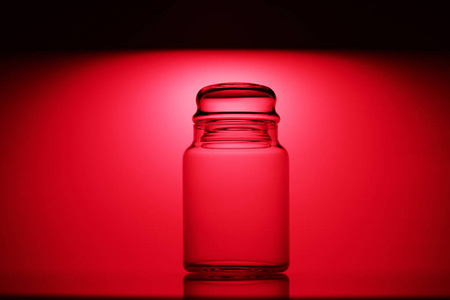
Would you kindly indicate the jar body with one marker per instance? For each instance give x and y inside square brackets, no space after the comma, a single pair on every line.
[236,199]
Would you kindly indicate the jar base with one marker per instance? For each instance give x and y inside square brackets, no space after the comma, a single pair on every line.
[240,267]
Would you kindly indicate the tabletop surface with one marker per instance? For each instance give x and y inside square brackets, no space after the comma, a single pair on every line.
[177,285]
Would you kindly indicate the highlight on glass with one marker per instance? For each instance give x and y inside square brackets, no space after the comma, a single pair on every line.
[236,183]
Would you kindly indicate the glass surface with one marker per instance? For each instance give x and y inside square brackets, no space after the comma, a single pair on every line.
[236,184]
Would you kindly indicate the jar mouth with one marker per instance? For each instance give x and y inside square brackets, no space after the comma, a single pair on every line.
[236,89]
[236,100]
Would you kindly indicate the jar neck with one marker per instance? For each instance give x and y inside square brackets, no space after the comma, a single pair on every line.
[235,134]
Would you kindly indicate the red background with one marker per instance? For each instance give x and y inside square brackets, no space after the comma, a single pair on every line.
[91,147]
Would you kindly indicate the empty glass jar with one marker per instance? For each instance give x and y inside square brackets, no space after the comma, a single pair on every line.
[236,183]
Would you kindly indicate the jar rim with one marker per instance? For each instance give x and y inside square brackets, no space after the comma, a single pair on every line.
[247,101]
[239,87]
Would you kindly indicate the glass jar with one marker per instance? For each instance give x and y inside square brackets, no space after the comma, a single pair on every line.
[236,183]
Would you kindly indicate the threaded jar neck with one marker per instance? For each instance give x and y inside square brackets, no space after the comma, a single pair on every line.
[232,134]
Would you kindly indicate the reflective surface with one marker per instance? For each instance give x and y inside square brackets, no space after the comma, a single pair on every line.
[252,286]
[179,285]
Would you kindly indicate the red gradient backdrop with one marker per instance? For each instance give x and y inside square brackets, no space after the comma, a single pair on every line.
[91,148]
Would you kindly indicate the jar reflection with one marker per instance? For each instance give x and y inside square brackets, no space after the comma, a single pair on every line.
[248,286]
